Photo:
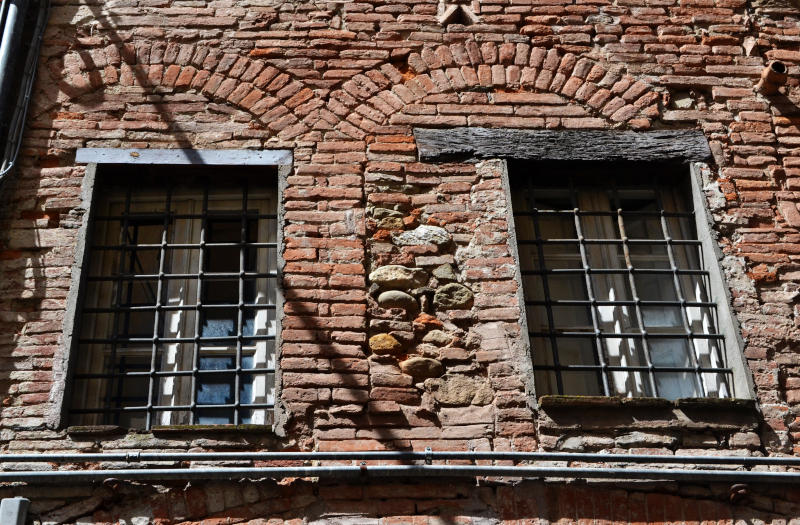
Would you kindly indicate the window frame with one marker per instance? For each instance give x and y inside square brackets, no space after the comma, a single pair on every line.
[97,159]
[686,147]
[698,173]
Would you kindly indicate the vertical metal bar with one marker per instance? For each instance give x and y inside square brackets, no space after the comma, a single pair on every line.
[545,285]
[598,341]
[679,294]
[130,270]
[240,309]
[635,294]
[198,310]
[162,257]
[118,303]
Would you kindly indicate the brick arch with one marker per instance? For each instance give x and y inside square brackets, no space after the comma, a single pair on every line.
[515,85]
[508,79]
[280,102]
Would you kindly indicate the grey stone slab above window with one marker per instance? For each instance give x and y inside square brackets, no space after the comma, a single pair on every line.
[567,145]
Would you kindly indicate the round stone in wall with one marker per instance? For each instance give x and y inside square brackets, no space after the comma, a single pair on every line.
[390,223]
[423,234]
[437,337]
[455,389]
[382,213]
[445,273]
[453,296]
[383,344]
[398,299]
[395,276]
[421,368]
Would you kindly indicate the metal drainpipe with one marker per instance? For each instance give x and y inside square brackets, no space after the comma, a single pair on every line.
[523,471]
[12,28]
[20,111]
[428,456]
[394,471]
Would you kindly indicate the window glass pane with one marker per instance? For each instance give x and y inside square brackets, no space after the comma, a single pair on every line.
[567,286]
[681,228]
[673,353]
[533,287]
[558,255]
[608,256]
[545,381]
[662,318]
[611,287]
[649,256]
[582,383]
[529,258]
[128,392]
[577,351]
[655,287]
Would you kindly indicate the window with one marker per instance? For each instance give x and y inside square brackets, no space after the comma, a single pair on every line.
[178,321]
[616,283]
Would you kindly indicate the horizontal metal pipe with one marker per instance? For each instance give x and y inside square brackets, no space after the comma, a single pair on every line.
[396,455]
[393,471]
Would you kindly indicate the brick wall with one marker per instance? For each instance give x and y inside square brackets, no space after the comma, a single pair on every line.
[400,503]
[342,84]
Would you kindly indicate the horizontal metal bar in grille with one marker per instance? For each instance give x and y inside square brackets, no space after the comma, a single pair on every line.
[635,368]
[167,408]
[160,216]
[584,213]
[643,242]
[156,340]
[169,246]
[178,373]
[616,271]
[201,275]
[577,302]
[628,335]
[179,308]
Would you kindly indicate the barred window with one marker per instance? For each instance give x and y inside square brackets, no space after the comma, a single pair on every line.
[616,286]
[178,324]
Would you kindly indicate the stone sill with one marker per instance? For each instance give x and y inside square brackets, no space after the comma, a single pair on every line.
[91,431]
[97,431]
[212,429]
[566,402]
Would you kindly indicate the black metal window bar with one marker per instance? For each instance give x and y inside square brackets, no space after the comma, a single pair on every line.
[616,291]
[178,323]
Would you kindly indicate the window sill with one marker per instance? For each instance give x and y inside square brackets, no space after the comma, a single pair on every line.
[212,429]
[552,402]
[100,431]
[95,431]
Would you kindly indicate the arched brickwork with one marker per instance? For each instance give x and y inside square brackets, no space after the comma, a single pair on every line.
[599,96]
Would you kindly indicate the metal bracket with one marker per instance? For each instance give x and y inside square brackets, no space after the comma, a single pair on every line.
[14,511]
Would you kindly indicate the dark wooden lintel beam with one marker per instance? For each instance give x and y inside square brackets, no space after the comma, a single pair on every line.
[592,145]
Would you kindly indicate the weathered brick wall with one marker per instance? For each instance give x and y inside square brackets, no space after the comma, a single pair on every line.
[342,84]
[442,502]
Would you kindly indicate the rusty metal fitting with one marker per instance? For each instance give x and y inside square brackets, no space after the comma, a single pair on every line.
[772,77]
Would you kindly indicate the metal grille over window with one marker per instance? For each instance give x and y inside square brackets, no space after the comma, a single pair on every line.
[616,290]
[179,313]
